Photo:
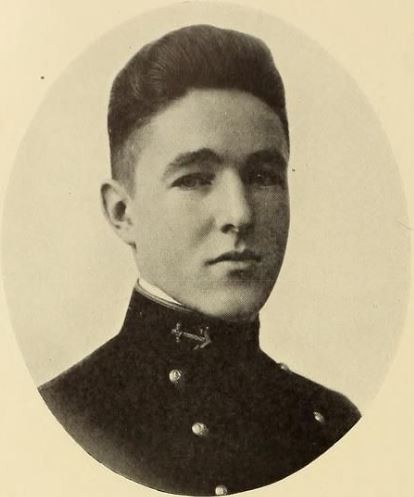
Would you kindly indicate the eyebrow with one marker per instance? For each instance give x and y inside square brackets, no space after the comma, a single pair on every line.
[196,157]
[268,155]
[192,158]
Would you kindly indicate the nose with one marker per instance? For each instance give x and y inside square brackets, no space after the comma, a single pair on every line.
[234,209]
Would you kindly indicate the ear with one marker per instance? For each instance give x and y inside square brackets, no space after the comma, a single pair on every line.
[116,207]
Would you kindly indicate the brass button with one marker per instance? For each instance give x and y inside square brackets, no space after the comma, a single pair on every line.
[221,490]
[175,375]
[284,367]
[319,417]
[200,429]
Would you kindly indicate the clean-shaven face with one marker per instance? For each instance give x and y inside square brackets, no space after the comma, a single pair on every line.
[210,206]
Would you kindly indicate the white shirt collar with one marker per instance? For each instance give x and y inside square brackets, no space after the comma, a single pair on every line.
[156,292]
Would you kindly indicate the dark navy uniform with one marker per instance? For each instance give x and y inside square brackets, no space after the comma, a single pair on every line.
[191,405]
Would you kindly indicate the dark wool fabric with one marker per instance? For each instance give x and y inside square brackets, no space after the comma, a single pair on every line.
[134,405]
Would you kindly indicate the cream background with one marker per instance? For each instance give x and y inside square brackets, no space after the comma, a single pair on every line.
[375,460]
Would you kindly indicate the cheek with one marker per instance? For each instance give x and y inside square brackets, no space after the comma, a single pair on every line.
[273,235]
[273,216]
[187,217]
[172,222]
[283,217]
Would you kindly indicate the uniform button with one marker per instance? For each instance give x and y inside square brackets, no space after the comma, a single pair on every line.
[284,367]
[200,429]
[175,375]
[221,490]
[319,417]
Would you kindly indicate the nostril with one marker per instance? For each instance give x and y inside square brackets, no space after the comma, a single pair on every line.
[239,229]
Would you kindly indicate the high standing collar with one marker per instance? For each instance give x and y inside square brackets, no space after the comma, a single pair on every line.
[155,321]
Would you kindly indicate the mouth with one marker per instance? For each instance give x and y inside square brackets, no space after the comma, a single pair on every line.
[240,259]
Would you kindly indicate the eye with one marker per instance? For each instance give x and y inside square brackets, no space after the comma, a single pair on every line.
[193,181]
[264,177]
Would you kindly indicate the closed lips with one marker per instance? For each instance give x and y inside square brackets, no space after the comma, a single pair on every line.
[246,255]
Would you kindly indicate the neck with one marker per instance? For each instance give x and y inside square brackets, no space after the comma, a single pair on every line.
[168,321]
[155,293]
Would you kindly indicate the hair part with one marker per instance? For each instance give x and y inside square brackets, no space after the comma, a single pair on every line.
[193,57]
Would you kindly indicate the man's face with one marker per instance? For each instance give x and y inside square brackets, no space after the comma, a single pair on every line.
[210,209]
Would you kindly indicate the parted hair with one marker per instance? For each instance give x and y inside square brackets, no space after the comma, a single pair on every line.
[193,57]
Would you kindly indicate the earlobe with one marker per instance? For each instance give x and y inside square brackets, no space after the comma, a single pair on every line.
[115,203]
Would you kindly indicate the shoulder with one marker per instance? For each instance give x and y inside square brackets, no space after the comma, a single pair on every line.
[82,385]
[334,408]
[330,408]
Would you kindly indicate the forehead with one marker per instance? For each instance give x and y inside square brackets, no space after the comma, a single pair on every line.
[232,123]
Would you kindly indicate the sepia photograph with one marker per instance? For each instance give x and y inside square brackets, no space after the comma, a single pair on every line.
[205,251]
[199,144]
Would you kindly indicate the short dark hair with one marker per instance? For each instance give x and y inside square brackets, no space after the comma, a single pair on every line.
[193,57]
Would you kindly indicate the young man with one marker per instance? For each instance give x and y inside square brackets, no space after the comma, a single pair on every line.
[183,399]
